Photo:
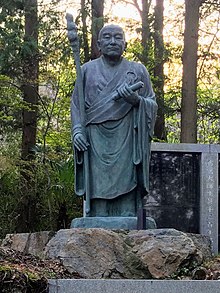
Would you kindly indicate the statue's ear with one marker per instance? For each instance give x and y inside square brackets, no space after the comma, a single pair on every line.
[125,46]
[98,45]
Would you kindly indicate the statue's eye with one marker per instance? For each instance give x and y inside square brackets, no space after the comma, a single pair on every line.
[118,37]
[106,37]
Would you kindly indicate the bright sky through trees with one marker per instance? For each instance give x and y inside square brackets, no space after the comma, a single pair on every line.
[127,11]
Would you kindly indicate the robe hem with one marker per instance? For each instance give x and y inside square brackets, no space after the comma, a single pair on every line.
[115,195]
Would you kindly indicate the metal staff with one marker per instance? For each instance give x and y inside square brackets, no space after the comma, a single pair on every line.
[74,43]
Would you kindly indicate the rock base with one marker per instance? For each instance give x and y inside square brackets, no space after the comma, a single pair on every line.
[121,254]
[96,253]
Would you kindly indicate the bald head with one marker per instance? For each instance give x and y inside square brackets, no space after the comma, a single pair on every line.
[111,27]
[111,42]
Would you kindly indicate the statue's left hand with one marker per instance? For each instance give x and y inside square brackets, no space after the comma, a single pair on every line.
[128,95]
[80,142]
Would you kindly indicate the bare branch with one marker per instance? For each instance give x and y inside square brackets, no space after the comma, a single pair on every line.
[210,45]
[133,3]
[48,122]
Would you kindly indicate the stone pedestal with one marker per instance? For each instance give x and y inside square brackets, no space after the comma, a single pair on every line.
[132,286]
[127,223]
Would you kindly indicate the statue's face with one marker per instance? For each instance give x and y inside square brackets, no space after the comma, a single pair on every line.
[112,41]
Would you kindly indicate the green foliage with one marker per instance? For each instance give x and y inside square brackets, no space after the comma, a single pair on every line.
[134,52]
[8,190]
[57,203]
[53,190]
[209,115]
[10,104]
[11,38]
[185,269]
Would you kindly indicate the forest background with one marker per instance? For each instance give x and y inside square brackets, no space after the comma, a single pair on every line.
[178,42]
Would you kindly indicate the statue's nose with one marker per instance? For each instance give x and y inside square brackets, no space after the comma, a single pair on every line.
[112,40]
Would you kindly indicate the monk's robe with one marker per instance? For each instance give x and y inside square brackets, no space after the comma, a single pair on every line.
[118,133]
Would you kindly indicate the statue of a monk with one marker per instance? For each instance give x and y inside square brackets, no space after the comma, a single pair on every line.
[118,130]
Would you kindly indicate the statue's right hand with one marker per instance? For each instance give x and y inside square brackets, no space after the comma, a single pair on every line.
[80,142]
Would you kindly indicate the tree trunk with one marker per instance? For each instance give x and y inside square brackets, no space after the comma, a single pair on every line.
[30,85]
[145,30]
[97,24]
[84,14]
[159,129]
[26,209]
[189,79]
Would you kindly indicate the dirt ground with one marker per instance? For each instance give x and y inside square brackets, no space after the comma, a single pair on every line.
[28,274]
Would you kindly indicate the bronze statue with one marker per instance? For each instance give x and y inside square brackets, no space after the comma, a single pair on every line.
[112,128]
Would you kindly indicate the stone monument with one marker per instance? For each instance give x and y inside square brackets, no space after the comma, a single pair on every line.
[113,111]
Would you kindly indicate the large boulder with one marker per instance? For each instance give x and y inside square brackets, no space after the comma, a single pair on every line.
[98,253]
[95,253]
[28,243]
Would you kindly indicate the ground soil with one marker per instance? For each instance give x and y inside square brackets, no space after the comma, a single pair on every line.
[28,274]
